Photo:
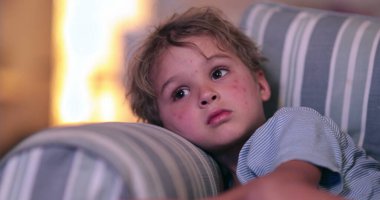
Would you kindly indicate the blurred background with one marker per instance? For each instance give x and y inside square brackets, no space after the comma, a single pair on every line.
[62,61]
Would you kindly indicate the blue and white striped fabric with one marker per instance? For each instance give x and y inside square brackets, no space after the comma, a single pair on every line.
[59,173]
[325,60]
[108,161]
[301,133]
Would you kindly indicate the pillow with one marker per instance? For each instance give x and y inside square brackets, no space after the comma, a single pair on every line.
[108,161]
[325,60]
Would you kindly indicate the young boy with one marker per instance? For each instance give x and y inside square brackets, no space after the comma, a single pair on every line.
[200,77]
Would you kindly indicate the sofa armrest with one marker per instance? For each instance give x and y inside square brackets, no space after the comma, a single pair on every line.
[108,161]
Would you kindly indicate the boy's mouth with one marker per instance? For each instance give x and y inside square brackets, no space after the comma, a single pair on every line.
[218,117]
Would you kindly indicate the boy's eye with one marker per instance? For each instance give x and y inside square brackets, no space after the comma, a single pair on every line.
[218,73]
[180,93]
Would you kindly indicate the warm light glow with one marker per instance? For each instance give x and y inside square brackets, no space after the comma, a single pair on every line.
[88,44]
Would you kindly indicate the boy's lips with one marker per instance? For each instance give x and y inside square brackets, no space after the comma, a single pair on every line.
[217,117]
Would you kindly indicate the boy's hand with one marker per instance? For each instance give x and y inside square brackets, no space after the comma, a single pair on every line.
[291,180]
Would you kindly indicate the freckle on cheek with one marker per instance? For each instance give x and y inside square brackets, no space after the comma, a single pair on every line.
[178,116]
[235,85]
[244,89]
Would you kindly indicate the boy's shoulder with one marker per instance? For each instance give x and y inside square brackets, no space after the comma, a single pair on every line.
[294,113]
[303,117]
[297,110]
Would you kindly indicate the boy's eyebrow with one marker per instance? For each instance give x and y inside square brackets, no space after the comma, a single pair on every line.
[218,55]
[166,84]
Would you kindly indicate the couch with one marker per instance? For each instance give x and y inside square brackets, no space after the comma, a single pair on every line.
[326,60]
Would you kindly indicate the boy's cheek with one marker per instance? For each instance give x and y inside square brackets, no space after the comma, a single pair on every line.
[237,91]
[184,117]
[184,121]
[178,116]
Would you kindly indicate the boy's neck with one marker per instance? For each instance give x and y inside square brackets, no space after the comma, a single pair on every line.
[228,158]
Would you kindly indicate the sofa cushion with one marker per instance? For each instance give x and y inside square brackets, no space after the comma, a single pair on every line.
[108,161]
[326,60]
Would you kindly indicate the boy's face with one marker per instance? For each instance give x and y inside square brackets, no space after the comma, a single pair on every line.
[208,95]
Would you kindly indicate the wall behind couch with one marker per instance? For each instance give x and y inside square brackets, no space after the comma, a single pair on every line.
[25,66]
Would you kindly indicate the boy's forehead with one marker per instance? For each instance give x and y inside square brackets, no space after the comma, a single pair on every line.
[205,46]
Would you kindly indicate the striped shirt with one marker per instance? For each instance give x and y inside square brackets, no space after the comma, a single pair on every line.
[302,133]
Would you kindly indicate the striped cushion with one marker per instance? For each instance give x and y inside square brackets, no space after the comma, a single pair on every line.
[325,60]
[108,161]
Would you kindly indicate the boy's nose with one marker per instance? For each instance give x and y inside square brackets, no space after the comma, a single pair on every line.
[207,98]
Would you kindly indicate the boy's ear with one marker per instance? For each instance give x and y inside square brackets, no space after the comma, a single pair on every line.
[262,83]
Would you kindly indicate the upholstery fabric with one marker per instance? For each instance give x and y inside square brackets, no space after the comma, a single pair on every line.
[108,161]
[325,60]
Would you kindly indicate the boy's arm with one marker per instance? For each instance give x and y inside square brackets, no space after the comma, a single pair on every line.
[291,180]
